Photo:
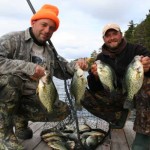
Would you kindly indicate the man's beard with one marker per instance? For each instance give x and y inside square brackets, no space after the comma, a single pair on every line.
[113,48]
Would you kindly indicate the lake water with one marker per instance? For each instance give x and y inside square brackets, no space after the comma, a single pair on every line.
[60,88]
[83,115]
[62,94]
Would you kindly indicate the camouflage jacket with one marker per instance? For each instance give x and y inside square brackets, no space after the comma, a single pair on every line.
[15,50]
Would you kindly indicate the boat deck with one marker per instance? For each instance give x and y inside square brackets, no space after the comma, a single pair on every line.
[121,139]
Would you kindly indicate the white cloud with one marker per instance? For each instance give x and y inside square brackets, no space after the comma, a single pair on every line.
[81,21]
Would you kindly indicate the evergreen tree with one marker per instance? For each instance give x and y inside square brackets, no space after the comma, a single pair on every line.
[139,34]
[94,54]
[129,34]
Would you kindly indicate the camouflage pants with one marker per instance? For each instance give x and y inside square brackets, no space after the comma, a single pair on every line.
[142,120]
[19,98]
[104,107]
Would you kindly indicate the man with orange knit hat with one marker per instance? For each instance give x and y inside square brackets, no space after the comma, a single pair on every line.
[24,58]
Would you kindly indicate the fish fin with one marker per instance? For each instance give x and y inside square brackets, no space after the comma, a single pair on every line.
[124,91]
[124,87]
[71,87]
[114,77]
[37,90]
[78,106]
[128,104]
[105,87]
[113,95]
[42,106]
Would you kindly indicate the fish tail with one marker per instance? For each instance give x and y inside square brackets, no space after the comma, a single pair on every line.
[78,106]
[128,104]
[50,111]
[113,95]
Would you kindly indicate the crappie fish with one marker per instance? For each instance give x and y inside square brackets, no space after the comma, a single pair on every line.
[70,145]
[92,133]
[71,136]
[47,92]
[53,138]
[78,86]
[51,134]
[83,128]
[92,141]
[57,145]
[106,76]
[69,128]
[133,80]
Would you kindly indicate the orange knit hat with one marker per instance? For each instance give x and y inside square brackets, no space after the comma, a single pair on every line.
[47,12]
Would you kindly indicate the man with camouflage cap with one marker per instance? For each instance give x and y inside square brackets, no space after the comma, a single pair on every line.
[24,57]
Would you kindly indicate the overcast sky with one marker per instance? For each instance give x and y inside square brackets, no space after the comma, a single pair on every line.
[81,21]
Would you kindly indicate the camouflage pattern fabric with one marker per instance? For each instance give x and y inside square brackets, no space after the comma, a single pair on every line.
[142,121]
[105,108]
[8,106]
[17,46]
[26,100]
[17,102]
[35,112]
[112,111]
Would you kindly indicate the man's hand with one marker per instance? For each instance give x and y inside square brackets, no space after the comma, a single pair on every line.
[94,71]
[39,72]
[82,63]
[146,63]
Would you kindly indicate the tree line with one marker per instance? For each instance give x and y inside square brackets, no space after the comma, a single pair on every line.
[139,33]
[136,34]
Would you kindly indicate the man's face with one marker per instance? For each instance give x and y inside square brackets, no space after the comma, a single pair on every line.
[43,29]
[112,38]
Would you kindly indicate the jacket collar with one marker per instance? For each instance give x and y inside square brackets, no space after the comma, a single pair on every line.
[29,35]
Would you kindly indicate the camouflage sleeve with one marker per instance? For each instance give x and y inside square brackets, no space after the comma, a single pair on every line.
[8,63]
[67,69]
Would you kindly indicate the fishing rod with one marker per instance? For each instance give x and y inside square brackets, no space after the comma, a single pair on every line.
[65,82]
